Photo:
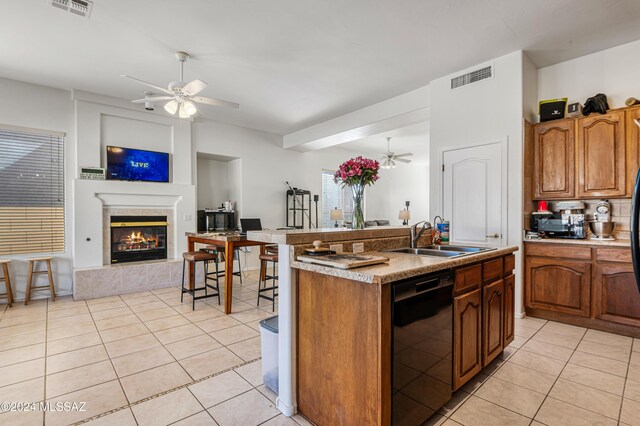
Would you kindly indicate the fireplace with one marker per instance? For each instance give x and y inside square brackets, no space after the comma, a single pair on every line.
[138,238]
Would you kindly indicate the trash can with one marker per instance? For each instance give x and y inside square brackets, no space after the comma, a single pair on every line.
[269,332]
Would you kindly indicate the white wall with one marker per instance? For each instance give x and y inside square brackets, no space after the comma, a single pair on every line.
[212,184]
[407,182]
[613,72]
[45,108]
[486,111]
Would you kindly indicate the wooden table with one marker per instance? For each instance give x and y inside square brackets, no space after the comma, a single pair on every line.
[230,241]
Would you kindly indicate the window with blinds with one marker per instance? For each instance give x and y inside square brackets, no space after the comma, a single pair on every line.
[32,192]
[333,195]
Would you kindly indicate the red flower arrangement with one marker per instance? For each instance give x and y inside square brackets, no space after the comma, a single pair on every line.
[357,171]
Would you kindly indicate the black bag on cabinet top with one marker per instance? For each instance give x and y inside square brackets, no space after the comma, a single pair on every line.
[597,103]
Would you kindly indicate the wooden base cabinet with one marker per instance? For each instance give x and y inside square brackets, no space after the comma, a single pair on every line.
[467,320]
[558,285]
[492,321]
[588,286]
[616,295]
[509,309]
[483,315]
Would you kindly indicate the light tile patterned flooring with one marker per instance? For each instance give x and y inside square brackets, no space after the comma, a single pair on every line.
[145,358]
[553,374]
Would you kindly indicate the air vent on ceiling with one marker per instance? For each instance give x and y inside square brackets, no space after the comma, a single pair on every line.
[77,7]
[472,77]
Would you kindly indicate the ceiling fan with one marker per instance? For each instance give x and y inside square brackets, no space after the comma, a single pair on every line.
[181,96]
[389,158]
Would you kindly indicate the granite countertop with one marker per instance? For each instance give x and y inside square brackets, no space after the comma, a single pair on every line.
[585,242]
[401,266]
[326,235]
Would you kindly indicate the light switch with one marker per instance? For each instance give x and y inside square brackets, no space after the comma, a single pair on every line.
[187,217]
[358,247]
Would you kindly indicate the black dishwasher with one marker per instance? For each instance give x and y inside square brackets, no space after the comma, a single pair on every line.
[422,365]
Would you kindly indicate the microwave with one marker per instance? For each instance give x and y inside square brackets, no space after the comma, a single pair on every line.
[209,221]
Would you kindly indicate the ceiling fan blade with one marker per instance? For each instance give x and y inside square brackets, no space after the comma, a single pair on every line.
[194,87]
[162,89]
[404,160]
[154,99]
[212,101]
[405,154]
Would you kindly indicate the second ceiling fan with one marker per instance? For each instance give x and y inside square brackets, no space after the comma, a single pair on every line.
[389,158]
[181,96]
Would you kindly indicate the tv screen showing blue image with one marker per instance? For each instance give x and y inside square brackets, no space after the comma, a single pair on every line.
[137,164]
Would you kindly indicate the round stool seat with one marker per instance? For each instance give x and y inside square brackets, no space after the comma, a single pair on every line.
[269,257]
[271,249]
[198,256]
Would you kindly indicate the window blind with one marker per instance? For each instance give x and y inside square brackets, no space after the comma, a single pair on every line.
[31,192]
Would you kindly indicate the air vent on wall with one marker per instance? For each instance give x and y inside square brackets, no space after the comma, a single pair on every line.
[77,7]
[472,77]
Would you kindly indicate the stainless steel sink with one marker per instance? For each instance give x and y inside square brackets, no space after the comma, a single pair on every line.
[428,252]
[466,249]
[442,251]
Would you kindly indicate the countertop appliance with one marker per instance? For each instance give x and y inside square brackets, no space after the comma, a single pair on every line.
[571,226]
[212,220]
[422,348]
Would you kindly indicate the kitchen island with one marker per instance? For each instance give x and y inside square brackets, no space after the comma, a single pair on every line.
[336,329]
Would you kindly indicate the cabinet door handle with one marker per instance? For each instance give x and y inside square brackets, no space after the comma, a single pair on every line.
[496,235]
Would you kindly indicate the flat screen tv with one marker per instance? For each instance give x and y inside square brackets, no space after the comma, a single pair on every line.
[137,164]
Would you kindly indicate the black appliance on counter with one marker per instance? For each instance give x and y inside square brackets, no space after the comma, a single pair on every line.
[561,226]
[422,346]
[213,220]
[635,223]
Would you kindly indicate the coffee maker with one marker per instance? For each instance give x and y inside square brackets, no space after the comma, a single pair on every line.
[568,221]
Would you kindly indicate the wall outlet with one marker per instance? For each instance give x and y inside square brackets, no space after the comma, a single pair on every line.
[358,247]
[338,248]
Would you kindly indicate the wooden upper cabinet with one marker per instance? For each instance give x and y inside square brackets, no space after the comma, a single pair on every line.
[601,155]
[554,160]
[632,132]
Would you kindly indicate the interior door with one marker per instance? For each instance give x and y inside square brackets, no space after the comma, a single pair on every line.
[473,196]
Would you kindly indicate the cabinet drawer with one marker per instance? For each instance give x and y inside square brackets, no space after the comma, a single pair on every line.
[468,277]
[509,264]
[613,255]
[492,269]
[555,250]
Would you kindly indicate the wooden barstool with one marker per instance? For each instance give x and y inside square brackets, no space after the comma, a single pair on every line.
[33,271]
[205,257]
[7,281]
[271,255]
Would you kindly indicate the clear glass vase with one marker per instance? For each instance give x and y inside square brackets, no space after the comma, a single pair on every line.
[357,221]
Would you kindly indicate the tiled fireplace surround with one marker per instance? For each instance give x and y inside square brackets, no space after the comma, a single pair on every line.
[109,280]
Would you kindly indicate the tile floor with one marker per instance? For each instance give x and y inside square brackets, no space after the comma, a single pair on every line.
[142,358]
[145,358]
[553,374]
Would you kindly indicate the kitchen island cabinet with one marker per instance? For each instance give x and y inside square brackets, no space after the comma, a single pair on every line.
[345,334]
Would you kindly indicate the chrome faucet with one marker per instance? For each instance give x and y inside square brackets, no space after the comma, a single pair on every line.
[415,234]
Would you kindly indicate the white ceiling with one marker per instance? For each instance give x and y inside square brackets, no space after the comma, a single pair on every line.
[294,63]
[413,139]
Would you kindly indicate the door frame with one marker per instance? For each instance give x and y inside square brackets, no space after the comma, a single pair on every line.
[504,200]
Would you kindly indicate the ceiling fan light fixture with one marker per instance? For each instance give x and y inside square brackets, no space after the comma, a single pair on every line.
[189,108]
[171,107]
[182,113]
